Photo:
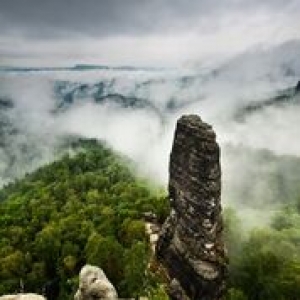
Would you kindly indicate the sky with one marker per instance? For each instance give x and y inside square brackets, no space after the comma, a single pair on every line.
[168,33]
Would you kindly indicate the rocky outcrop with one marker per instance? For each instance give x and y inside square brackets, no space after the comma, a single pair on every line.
[190,245]
[297,88]
[22,297]
[94,285]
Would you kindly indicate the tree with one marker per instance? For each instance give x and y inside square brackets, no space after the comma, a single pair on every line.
[47,248]
[107,253]
[136,260]
[132,231]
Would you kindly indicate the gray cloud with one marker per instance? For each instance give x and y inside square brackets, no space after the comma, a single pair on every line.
[140,32]
[140,134]
[119,17]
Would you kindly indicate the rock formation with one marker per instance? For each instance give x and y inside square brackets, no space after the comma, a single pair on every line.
[297,88]
[190,245]
[94,285]
[22,297]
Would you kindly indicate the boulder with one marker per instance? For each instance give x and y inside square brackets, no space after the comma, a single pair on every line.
[23,297]
[94,285]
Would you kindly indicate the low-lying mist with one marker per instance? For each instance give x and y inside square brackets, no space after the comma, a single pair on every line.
[135,112]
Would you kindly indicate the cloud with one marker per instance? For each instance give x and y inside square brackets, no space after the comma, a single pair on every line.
[140,32]
[216,95]
[260,153]
[109,17]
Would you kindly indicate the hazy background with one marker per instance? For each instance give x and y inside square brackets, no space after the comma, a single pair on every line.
[218,59]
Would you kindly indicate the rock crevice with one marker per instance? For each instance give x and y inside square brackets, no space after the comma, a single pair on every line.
[190,245]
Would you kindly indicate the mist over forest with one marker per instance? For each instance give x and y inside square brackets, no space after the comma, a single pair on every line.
[135,111]
[252,100]
[90,93]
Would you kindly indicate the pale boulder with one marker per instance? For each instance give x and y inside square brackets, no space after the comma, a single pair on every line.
[22,297]
[94,285]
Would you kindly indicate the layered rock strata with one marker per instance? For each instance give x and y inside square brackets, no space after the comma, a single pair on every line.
[190,245]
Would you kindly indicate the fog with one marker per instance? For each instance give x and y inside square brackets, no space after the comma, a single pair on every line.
[255,149]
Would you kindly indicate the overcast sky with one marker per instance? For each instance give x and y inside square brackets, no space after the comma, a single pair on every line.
[140,32]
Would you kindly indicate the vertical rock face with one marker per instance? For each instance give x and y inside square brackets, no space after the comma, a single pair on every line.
[190,245]
[297,88]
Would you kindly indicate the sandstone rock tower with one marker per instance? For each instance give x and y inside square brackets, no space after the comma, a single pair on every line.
[190,245]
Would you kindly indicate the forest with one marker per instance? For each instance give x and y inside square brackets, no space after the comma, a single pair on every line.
[265,262]
[88,207]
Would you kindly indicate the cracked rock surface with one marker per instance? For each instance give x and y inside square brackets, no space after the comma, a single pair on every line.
[190,244]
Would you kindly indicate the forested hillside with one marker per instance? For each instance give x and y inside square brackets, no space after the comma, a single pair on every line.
[84,208]
[265,262]
[87,207]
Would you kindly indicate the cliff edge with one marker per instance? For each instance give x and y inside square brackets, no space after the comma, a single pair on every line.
[190,244]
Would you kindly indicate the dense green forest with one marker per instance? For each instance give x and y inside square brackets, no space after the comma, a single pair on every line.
[84,208]
[265,258]
[265,262]
[87,207]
